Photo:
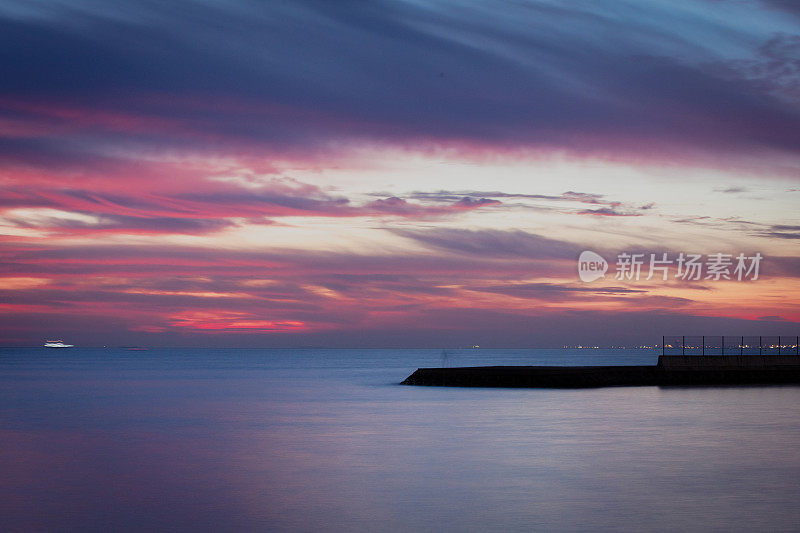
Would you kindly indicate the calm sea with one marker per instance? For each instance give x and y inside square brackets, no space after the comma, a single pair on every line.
[326,440]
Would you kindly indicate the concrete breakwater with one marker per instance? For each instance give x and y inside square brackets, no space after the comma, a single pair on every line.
[670,370]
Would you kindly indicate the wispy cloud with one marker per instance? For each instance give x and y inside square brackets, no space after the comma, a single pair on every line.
[493,243]
[206,207]
[461,76]
[782,231]
[607,207]
[608,212]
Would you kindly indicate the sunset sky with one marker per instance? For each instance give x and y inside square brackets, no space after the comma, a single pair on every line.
[393,173]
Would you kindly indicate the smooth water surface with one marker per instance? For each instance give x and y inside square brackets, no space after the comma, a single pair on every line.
[313,440]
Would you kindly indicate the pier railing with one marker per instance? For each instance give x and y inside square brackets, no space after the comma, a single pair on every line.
[730,345]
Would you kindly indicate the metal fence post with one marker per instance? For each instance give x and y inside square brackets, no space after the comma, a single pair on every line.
[722,351]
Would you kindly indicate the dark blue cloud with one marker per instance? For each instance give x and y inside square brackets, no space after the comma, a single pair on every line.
[493,243]
[640,78]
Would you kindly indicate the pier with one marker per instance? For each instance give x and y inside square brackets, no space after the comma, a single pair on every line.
[705,363]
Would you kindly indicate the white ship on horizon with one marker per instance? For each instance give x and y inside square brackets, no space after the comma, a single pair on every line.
[57,344]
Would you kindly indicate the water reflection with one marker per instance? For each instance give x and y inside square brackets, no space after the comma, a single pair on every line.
[276,441]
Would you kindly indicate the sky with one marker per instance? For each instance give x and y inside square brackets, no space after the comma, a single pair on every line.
[395,173]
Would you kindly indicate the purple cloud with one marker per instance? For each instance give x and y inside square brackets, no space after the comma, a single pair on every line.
[527,76]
